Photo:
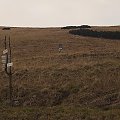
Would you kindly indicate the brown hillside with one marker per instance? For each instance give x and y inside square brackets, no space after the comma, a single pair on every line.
[81,82]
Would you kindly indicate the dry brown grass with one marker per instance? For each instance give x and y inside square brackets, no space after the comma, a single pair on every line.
[86,73]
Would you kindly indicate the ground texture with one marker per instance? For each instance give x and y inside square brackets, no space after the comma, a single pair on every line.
[82,82]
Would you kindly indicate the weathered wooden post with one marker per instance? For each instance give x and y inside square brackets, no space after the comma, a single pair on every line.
[7,66]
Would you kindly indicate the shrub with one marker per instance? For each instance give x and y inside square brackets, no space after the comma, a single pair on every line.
[99,34]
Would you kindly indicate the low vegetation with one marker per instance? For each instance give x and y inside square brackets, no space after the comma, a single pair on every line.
[82,82]
[75,27]
[98,34]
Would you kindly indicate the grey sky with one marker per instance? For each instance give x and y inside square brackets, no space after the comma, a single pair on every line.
[46,13]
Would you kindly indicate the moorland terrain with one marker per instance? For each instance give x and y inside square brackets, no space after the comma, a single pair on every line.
[82,82]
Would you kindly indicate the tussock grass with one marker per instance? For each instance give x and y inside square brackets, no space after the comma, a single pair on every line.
[81,82]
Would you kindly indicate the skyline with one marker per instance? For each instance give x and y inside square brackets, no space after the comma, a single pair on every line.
[55,13]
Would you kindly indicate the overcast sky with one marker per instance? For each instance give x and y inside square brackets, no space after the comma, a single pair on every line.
[50,13]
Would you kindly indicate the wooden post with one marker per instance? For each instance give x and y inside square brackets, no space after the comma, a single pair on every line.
[10,75]
[8,67]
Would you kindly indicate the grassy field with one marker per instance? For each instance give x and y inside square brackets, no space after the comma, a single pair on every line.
[80,83]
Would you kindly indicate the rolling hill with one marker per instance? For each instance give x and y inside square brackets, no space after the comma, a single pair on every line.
[82,82]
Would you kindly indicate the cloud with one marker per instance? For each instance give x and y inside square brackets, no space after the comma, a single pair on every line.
[59,12]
